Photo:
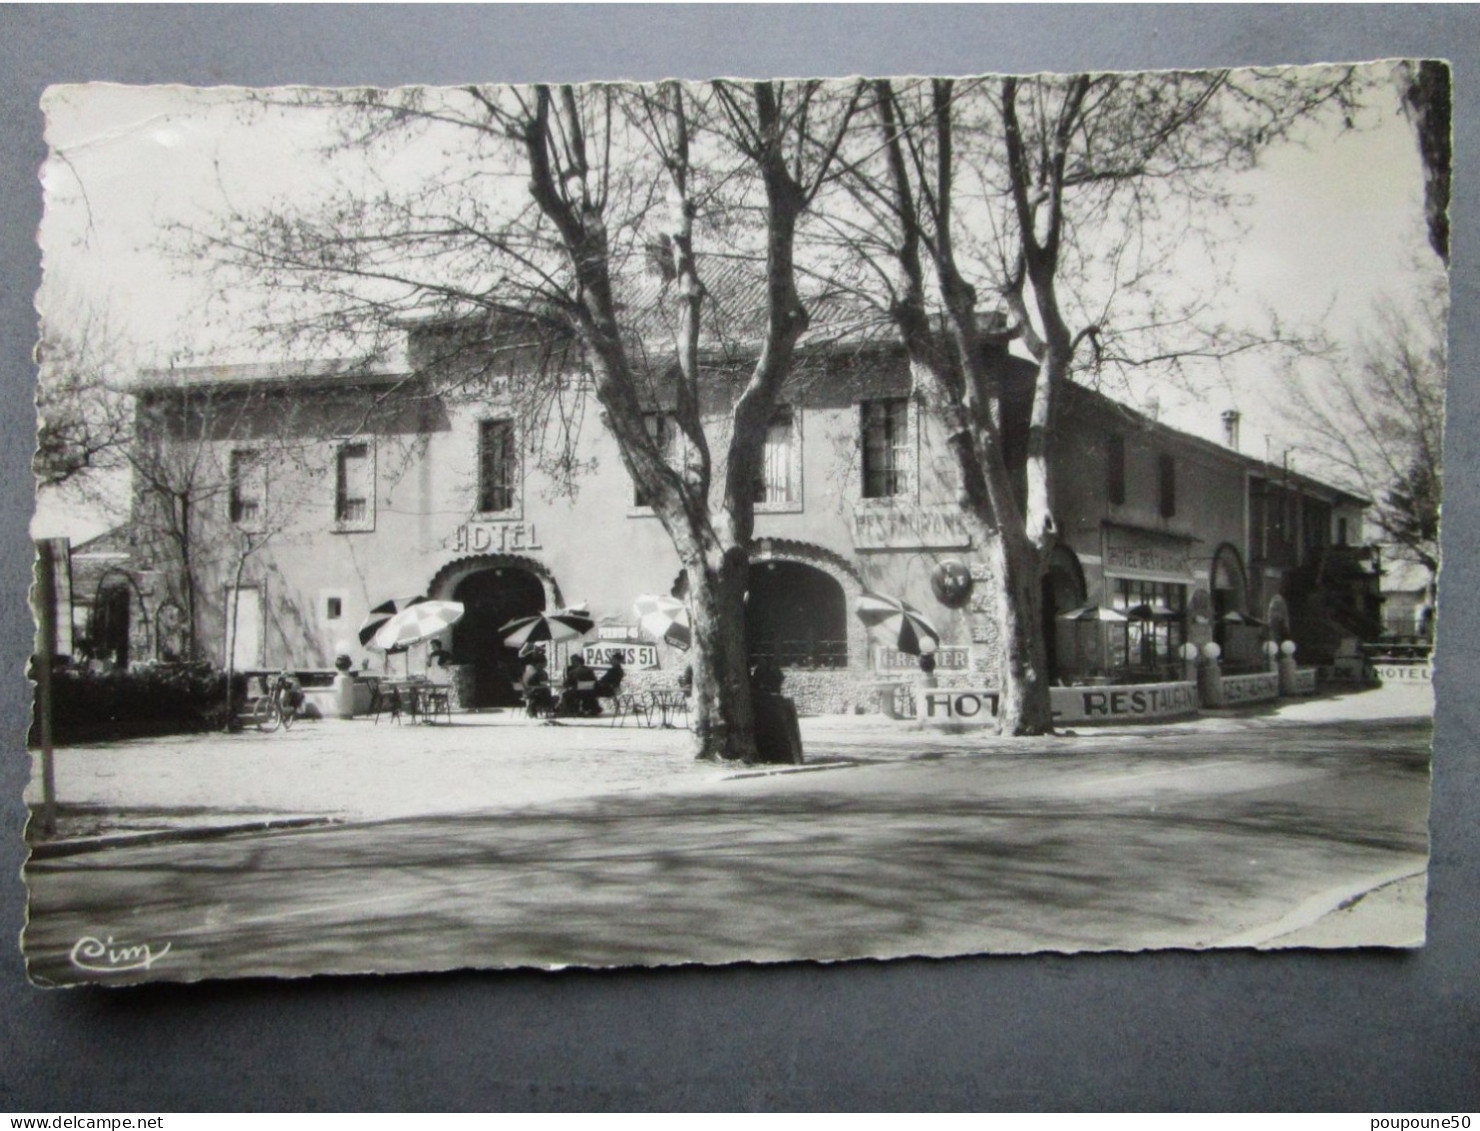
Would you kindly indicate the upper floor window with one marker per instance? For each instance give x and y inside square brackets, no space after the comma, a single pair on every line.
[497,465]
[1115,469]
[777,485]
[354,485]
[886,450]
[1166,476]
[248,487]
[663,432]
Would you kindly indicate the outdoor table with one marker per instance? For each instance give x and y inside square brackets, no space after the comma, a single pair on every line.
[409,692]
[667,704]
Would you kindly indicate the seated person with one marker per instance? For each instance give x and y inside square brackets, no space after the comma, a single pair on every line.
[439,664]
[538,695]
[574,701]
[611,680]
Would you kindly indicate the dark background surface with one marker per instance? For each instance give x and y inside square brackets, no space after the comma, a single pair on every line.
[1234,1030]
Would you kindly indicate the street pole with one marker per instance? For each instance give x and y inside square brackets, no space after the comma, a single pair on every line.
[46,634]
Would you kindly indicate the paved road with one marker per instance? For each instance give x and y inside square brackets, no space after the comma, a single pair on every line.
[1174,840]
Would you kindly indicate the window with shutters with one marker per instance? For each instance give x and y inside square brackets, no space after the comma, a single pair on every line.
[663,431]
[498,466]
[1115,468]
[778,486]
[1167,480]
[886,447]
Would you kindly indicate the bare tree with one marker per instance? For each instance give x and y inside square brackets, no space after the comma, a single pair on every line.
[1427,101]
[609,180]
[1062,197]
[1375,421]
[84,417]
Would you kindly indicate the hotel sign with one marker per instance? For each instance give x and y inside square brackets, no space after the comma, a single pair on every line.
[912,528]
[496,538]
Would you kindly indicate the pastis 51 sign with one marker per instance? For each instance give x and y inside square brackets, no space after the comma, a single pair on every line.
[634,656]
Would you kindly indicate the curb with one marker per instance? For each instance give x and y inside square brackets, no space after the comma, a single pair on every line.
[47,850]
[1317,907]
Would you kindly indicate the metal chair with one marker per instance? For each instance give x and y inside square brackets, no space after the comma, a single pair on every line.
[635,705]
[436,700]
[387,697]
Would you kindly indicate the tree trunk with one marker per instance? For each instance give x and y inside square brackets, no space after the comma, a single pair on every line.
[724,716]
[1025,707]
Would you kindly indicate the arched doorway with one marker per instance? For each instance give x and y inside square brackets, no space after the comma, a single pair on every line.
[109,632]
[796,615]
[491,598]
[1063,590]
[1230,589]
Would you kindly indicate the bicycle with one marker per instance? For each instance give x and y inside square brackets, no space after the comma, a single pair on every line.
[279,705]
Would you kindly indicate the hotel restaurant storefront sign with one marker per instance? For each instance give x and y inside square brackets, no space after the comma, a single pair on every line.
[1146,555]
[951,707]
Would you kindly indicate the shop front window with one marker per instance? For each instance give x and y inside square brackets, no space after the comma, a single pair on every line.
[1146,645]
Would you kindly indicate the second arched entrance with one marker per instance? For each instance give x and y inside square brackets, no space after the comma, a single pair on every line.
[796,616]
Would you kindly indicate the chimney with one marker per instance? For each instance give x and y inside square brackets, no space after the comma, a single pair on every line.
[1230,428]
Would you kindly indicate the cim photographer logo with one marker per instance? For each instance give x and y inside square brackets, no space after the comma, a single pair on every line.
[104,956]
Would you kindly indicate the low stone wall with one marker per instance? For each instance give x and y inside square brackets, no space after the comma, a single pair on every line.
[954,708]
[815,691]
[1390,672]
[1259,687]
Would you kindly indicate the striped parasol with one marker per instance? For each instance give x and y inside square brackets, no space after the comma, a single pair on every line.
[547,628]
[415,623]
[382,613]
[664,618]
[904,625]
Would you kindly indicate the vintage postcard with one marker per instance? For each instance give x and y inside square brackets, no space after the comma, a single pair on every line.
[703,522]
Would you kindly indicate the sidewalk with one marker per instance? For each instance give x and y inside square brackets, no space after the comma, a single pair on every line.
[195,785]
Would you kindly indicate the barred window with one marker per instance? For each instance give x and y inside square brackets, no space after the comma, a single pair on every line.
[248,487]
[886,433]
[497,465]
[354,485]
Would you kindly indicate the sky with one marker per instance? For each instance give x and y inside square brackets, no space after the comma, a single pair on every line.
[1332,227]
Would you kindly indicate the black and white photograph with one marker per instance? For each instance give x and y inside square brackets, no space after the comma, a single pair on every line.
[735,521]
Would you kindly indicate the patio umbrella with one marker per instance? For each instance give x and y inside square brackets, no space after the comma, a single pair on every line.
[664,618]
[1152,612]
[382,613]
[1241,618]
[1093,613]
[418,622]
[904,625]
[547,628]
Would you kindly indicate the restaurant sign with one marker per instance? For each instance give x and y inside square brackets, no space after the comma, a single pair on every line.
[912,528]
[635,656]
[496,538]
